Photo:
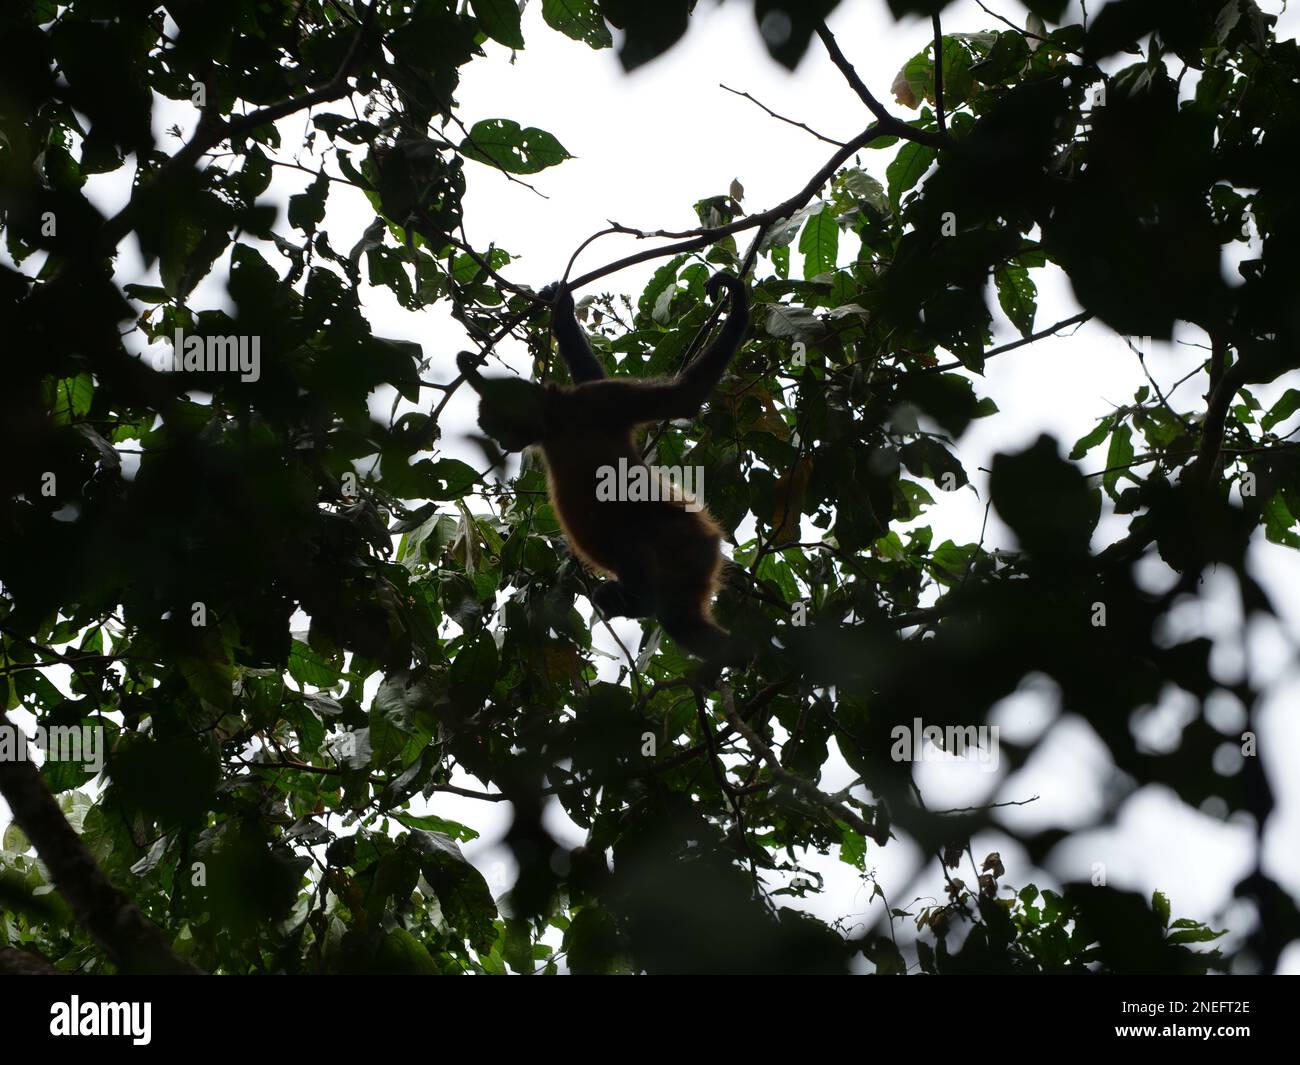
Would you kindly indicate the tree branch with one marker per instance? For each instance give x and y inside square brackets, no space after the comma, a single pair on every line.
[1227,381]
[1075,319]
[132,942]
[706,237]
[698,240]
[986,806]
[893,127]
[938,75]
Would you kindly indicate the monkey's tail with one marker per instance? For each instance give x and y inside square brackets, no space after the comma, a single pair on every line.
[734,286]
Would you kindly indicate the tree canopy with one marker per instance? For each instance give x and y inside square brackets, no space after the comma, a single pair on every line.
[269,795]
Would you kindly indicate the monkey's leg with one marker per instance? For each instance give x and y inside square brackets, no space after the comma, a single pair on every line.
[633,594]
[614,599]
[700,636]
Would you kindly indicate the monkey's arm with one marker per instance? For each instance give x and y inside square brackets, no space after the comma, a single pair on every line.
[624,402]
[570,338]
[698,379]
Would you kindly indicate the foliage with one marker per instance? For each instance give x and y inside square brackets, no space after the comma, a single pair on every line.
[263,783]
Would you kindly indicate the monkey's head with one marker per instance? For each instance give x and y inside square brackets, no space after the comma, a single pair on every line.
[510,409]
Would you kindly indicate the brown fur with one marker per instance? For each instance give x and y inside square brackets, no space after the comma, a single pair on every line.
[665,558]
[684,544]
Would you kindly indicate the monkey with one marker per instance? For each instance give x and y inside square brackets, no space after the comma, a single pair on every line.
[662,556]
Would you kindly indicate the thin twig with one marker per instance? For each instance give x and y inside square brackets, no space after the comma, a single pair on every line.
[803,787]
[1076,319]
[1027,33]
[720,775]
[801,125]
[612,228]
[986,806]
[1164,402]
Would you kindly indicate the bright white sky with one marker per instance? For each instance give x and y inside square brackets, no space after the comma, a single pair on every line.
[648,146]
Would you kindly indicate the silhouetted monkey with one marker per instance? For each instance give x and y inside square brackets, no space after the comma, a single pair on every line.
[663,556]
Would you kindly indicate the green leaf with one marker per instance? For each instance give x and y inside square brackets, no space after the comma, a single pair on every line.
[68,399]
[1091,439]
[1117,458]
[781,261]
[451,478]
[1194,935]
[431,823]
[307,666]
[502,143]
[908,167]
[500,21]
[947,398]
[792,321]
[401,954]
[1281,410]
[428,538]
[952,562]
[1279,522]
[784,231]
[462,892]
[1018,296]
[209,678]
[853,848]
[660,281]
[146,293]
[307,209]
[578,19]
[15,841]
[402,717]
[820,243]
[918,73]
[517,950]
[592,943]
[473,671]
[1160,904]
[1008,55]
[469,268]
[916,497]
[861,185]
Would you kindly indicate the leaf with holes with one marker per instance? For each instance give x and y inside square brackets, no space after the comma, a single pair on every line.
[578,19]
[503,143]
